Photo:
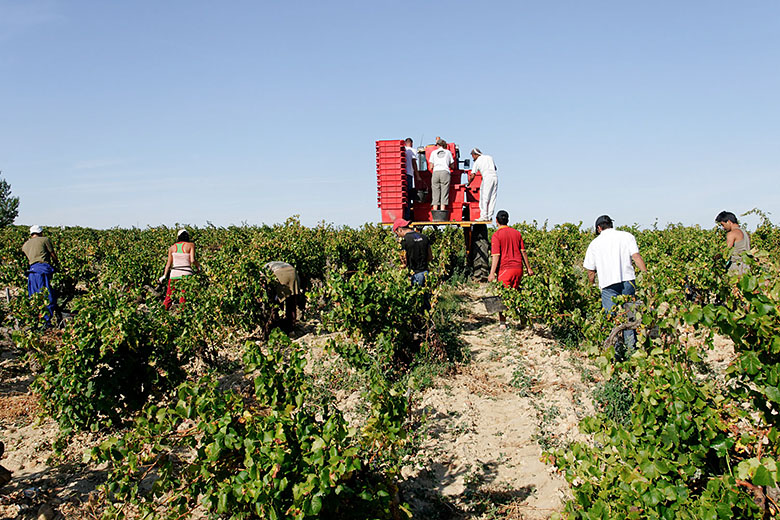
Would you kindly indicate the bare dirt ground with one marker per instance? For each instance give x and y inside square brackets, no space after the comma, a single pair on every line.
[477,440]
[484,428]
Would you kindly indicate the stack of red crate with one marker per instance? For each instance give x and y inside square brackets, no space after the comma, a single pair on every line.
[392,191]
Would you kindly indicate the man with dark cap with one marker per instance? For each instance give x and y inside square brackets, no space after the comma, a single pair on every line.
[41,257]
[508,257]
[610,255]
[416,250]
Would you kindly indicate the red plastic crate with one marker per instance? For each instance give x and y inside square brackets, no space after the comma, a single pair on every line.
[392,171]
[391,207]
[383,160]
[395,203]
[386,191]
[389,215]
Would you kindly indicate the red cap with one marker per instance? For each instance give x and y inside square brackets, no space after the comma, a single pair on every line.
[399,223]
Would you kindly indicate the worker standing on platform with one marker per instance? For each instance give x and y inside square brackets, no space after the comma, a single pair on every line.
[485,166]
[412,173]
[441,159]
[509,256]
[416,250]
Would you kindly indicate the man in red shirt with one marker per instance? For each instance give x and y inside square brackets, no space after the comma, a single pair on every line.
[509,257]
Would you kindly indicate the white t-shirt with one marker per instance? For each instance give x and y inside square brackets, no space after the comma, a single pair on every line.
[610,256]
[441,158]
[411,155]
[484,165]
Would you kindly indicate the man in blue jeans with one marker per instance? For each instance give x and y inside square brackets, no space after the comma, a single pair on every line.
[610,255]
[416,250]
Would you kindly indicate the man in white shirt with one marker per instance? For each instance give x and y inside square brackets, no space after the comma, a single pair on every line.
[411,173]
[609,255]
[485,166]
[441,159]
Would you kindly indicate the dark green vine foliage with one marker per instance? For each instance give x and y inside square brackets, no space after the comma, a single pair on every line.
[112,358]
[263,455]
[752,320]
[384,310]
[669,459]
[690,448]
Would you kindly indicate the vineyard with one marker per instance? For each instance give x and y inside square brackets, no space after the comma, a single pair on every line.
[211,411]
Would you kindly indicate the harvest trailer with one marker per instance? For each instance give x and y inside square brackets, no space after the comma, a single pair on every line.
[396,199]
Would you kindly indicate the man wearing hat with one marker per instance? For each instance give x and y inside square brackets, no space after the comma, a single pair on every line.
[610,255]
[41,257]
[485,166]
[416,250]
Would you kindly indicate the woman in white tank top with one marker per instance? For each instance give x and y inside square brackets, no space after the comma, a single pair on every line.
[181,262]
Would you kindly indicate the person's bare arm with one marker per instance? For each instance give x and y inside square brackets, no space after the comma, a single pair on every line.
[168,265]
[430,254]
[591,276]
[493,268]
[733,236]
[527,265]
[639,261]
[193,262]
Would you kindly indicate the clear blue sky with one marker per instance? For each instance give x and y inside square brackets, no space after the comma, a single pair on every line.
[146,112]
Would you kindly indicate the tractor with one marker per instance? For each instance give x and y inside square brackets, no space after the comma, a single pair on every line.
[396,199]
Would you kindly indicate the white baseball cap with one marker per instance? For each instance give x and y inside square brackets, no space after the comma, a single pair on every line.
[35,229]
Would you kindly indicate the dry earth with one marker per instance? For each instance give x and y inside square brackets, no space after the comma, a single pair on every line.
[483,428]
[477,442]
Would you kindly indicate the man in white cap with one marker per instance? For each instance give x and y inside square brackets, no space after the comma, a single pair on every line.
[41,257]
[484,165]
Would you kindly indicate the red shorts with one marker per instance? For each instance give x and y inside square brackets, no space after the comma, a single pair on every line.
[511,277]
[169,293]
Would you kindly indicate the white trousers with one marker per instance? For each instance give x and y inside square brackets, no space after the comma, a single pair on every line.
[487,196]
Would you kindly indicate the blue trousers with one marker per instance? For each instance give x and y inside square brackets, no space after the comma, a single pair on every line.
[39,277]
[419,278]
[626,288]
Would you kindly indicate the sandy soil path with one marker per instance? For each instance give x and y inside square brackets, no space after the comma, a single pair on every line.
[484,428]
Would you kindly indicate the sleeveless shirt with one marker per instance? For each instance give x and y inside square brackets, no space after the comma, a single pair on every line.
[740,246]
[181,262]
